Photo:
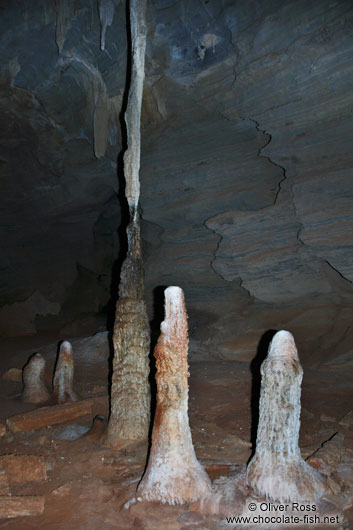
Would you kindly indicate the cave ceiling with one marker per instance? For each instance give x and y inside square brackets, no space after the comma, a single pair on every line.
[246,168]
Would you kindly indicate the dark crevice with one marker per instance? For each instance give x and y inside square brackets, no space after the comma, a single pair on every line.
[298,236]
[220,239]
[338,272]
[255,369]
[259,153]
[284,176]
[125,216]
[212,262]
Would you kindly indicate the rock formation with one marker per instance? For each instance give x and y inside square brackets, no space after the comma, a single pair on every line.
[277,470]
[247,148]
[130,393]
[34,388]
[63,379]
[173,474]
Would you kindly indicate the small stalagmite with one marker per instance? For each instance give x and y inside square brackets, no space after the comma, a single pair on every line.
[173,475]
[34,388]
[277,470]
[64,375]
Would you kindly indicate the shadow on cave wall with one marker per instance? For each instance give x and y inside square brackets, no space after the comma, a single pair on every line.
[155,324]
[255,366]
[125,216]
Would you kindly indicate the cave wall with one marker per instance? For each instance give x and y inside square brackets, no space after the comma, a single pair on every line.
[246,179]
[246,171]
[59,210]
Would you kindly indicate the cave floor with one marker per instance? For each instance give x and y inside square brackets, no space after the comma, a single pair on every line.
[88,484]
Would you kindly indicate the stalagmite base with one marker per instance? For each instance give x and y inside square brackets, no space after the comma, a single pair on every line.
[173,475]
[34,388]
[63,380]
[130,394]
[277,470]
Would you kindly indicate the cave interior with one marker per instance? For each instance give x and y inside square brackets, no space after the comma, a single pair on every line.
[246,204]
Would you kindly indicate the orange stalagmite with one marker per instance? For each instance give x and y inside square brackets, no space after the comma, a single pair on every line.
[173,474]
[277,470]
[64,375]
[34,388]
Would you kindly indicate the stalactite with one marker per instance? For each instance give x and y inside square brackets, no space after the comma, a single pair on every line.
[65,10]
[105,118]
[100,123]
[106,15]
[14,68]
[130,393]
[173,475]
[277,470]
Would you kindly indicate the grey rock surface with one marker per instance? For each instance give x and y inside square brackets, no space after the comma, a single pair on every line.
[246,179]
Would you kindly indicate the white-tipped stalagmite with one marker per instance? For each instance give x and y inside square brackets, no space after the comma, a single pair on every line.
[173,475]
[130,393]
[63,380]
[34,388]
[277,470]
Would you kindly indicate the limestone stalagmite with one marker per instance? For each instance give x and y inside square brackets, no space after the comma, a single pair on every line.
[130,394]
[64,375]
[34,388]
[277,470]
[173,474]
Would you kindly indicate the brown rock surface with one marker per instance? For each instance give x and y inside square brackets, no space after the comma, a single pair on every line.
[37,419]
[11,507]
[23,468]
[13,374]
[94,483]
[327,458]
[4,483]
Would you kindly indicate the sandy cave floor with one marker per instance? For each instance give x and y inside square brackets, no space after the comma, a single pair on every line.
[88,484]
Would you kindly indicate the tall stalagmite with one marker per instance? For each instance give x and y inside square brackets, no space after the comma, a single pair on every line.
[277,470]
[130,393]
[173,475]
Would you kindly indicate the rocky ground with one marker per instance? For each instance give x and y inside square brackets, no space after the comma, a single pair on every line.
[85,485]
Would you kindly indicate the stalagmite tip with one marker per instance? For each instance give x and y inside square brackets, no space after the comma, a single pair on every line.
[66,347]
[283,346]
